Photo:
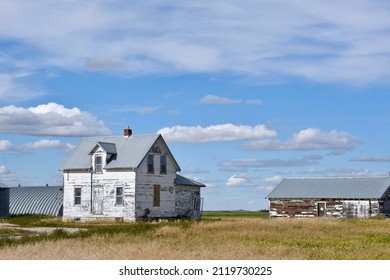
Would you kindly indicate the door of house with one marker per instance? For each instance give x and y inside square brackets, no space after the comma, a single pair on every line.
[97,200]
[321,207]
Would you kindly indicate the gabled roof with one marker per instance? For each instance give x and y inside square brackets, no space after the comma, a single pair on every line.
[183,181]
[336,188]
[110,148]
[130,151]
[36,201]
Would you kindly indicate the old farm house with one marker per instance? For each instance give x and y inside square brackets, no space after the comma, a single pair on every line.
[126,177]
[331,197]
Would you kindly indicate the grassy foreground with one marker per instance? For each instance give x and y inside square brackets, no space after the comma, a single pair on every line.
[216,237]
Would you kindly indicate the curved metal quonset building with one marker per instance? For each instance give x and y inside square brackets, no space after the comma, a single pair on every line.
[36,201]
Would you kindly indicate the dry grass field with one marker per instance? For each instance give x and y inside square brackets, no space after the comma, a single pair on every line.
[224,238]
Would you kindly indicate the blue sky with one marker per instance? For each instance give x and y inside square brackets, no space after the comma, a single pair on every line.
[244,92]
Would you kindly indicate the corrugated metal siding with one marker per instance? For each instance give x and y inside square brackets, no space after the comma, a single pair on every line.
[342,188]
[36,200]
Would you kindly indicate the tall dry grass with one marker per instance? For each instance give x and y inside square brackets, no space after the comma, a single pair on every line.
[303,239]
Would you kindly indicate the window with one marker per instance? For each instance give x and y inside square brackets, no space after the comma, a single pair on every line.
[77,196]
[98,164]
[156,195]
[150,164]
[119,196]
[163,164]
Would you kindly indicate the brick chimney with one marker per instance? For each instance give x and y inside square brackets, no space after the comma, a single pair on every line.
[127,132]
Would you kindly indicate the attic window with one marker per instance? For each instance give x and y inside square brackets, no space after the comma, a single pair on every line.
[163,164]
[98,164]
[150,163]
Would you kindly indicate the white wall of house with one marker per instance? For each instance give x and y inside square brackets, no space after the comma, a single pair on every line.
[100,201]
[146,182]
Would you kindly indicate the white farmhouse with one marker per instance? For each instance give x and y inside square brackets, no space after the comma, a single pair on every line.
[126,178]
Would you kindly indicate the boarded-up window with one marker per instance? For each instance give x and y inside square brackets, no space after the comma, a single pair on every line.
[77,196]
[150,164]
[163,164]
[98,164]
[119,196]
[156,195]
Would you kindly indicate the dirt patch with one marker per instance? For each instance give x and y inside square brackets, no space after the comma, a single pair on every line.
[38,230]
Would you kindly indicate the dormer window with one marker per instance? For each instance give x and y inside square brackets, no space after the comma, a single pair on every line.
[98,164]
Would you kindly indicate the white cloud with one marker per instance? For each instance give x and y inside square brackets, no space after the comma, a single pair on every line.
[46,144]
[215,133]
[50,119]
[273,180]
[245,164]
[13,88]
[308,139]
[235,180]
[310,39]
[196,170]
[4,170]
[146,110]
[214,99]
[6,145]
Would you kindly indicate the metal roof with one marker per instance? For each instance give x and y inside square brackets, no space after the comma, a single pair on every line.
[36,200]
[110,148]
[183,181]
[130,151]
[337,188]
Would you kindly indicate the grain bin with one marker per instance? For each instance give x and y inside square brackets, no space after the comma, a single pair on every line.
[4,201]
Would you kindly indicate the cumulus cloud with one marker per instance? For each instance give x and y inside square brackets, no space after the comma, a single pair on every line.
[51,120]
[313,40]
[6,145]
[4,170]
[46,144]
[215,133]
[236,180]
[273,180]
[214,99]
[308,139]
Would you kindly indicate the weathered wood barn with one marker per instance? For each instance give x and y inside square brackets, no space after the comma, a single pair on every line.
[126,177]
[331,197]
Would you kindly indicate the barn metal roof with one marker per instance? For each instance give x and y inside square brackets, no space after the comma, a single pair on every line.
[338,188]
[183,181]
[130,151]
[36,200]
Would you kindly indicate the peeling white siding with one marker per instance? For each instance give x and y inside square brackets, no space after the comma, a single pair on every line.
[145,183]
[138,186]
[106,183]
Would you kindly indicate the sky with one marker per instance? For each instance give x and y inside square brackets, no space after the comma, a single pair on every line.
[245,93]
